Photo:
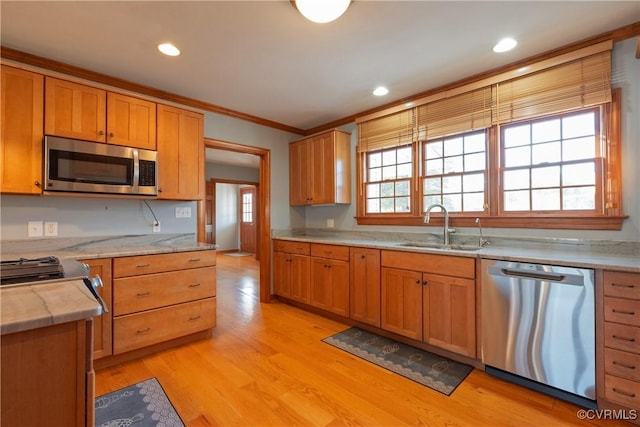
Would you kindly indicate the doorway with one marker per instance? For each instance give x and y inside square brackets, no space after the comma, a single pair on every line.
[261,209]
[247,216]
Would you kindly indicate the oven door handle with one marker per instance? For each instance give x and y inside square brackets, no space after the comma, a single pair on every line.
[93,284]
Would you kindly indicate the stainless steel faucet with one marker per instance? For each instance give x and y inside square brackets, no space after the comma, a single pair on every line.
[481,240]
[427,216]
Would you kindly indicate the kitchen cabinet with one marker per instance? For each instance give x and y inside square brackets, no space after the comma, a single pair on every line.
[291,274]
[330,278]
[21,131]
[180,154]
[364,285]
[160,297]
[47,376]
[621,336]
[102,339]
[430,298]
[320,169]
[78,111]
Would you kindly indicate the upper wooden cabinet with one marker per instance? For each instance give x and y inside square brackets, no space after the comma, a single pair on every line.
[21,131]
[320,169]
[77,111]
[180,154]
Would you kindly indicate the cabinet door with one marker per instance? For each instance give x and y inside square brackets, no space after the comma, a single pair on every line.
[102,343]
[330,285]
[449,313]
[365,286]
[75,111]
[322,173]
[402,302]
[180,154]
[299,173]
[131,121]
[300,278]
[21,131]
[282,274]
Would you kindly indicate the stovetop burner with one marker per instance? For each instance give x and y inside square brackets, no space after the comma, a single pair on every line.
[30,270]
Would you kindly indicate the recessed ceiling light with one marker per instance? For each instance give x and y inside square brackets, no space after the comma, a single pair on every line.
[380,91]
[168,49]
[505,45]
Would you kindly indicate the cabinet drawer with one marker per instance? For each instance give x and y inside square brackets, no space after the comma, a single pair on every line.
[138,293]
[622,391]
[622,285]
[151,327]
[622,364]
[158,263]
[330,251]
[622,337]
[625,311]
[429,263]
[301,248]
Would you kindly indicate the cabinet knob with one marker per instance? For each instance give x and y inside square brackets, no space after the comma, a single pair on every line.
[418,282]
[111,135]
[159,190]
[36,183]
[424,283]
[101,132]
[363,256]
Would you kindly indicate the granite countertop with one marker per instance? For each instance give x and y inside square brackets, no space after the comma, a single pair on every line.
[36,305]
[619,256]
[102,246]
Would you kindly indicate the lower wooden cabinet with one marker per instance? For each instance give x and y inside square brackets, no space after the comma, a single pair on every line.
[402,302]
[47,376]
[291,276]
[364,285]
[330,278]
[102,334]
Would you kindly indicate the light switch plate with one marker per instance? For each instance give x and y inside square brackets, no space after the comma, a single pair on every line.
[35,229]
[183,212]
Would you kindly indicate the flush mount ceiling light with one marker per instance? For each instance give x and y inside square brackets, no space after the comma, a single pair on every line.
[505,45]
[321,11]
[380,91]
[168,49]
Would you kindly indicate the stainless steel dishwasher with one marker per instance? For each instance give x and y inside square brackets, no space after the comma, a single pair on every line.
[538,327]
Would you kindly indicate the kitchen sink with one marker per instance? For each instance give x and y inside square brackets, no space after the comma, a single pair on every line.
[439,246]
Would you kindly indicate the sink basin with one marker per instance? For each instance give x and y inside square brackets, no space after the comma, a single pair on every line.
[439,246]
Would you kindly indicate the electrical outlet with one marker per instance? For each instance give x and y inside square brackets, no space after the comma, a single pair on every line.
[330,223]
[156,227]
[183,212]
[35,229]
[50,228]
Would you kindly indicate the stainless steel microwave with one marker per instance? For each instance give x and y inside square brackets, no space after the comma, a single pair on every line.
[73,165]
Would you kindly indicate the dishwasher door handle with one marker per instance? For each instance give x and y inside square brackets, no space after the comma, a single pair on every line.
[562,278]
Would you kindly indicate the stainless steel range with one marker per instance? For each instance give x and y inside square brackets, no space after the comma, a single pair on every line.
[49,269]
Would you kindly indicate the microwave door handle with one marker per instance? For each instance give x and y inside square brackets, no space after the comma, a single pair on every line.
[136,171]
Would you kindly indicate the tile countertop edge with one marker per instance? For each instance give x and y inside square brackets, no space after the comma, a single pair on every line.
[30,306]
[546,256]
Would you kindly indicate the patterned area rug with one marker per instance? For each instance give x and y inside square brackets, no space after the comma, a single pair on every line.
[431,370]
[141,405]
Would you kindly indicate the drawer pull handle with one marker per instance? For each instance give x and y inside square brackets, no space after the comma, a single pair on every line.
[623,285]
[624,393]
[194,260]
[194,285]
[142,265]
[194,318]
[143,331]
[143,294]
[616,337]
[623,365]
[630,313]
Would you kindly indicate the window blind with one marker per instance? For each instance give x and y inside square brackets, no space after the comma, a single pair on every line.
[577,84]
[388,131]
[460,113]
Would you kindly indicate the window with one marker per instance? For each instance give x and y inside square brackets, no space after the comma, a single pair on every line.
[536,150]
[247,207]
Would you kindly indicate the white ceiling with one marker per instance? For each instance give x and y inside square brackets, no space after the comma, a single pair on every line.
[264,59]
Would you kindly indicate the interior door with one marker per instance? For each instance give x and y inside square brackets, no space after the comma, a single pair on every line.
[248,219]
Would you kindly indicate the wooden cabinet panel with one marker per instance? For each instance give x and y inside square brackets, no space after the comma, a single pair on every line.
[158,263]
[430,263]
[139,293]
[281,274]
[292,247]
[622,364]
[402,302]
[330,251]
[622,391]
[622,284]
[449,313]
[620,310]
[180,154]
[291,274]
[300,281]
[102,338]
[330,285]
[320,169]
[622,337]
[21,131]
[75,111]
[151,327]
[131,121]
[365,293]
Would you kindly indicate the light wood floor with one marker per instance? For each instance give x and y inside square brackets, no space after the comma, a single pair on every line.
[267,366]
